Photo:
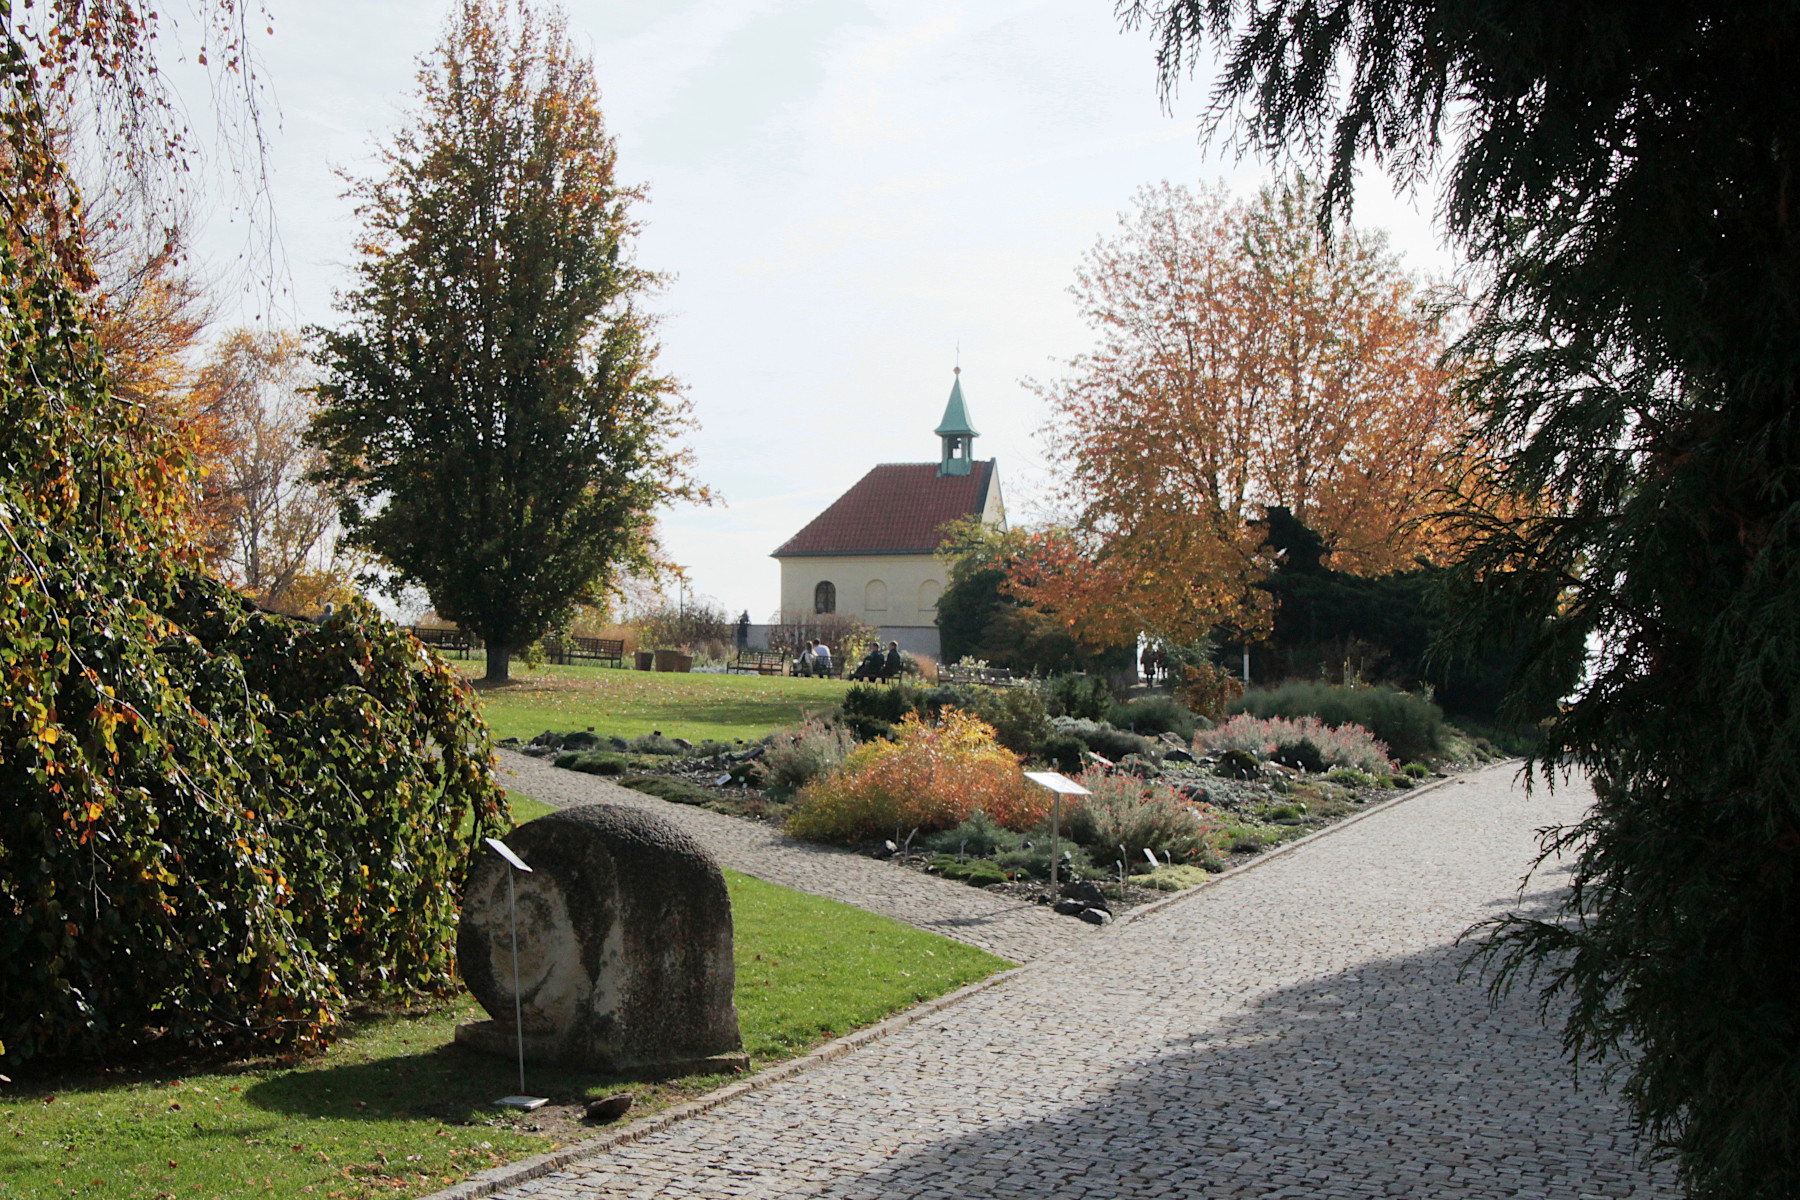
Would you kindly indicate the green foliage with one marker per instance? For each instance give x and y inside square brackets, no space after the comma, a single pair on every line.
[976,872]
[979,836]
[219,825]
[1350,777]
[668,787]
[1103,739]
[1302,755]
[592,764]
[874,710]
[1411,726]
[655,743]
[1416,770]
[1033,861]
[1017,714]
[1139,815]
[1064,752]
[1623,179]
[1152,715]
[1177,878]
[795,757]
[490,411]
[1087,697]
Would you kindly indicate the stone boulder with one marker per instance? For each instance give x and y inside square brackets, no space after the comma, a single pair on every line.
[625,960]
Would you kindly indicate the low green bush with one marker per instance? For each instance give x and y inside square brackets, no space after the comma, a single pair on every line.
[593,763]
[1351,778]
[1085,697]
[1246,842]
[976,872]
[978,835]
[1411,726]
[796,756]
[1177,878]
[1153,715]
[667,787]
[1063,751]
[1033,860]
[1123,810]
[1302,755]
[1103,739]
[1416,770]
[656,743]
[1285,814]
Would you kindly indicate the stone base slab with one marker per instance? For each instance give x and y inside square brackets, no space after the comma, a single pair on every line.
[491,1037]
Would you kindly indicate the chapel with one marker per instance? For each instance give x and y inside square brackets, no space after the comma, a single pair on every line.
[872,554]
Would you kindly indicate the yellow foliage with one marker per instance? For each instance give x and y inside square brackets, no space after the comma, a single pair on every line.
[930,777]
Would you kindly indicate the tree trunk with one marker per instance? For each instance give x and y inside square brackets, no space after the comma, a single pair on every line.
[498,660]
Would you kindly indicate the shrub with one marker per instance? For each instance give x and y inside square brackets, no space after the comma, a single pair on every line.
[1416,770]
[978,836]
[930,777]
[1177,878]
[795,757]
[655,743]
[1136,814]
[1344,746]
[1302,754]
[1409,725]
[1153,715]
[1350,777]
[1063,751]
[1103,739]
[593,764]
[976,872]
[874,710]
[1017,715]
[1238,764]
[667,787]
[1033,860]
[1083,696]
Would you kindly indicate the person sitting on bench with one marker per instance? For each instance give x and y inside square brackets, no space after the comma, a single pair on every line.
[822,660]
[872,666]
[894,666]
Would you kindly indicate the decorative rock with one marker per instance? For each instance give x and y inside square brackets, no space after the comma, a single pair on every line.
[1096,916]
[611,1108]
[624,947]
[1086,892]
[1177,756]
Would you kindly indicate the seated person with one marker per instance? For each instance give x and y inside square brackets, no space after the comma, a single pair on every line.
[872,665]
[822,660]
[894,666]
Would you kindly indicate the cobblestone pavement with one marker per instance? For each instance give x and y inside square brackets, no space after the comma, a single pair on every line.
[998,924]
[1297,1030]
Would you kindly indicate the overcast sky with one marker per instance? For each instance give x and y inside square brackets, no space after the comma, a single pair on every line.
[840,190]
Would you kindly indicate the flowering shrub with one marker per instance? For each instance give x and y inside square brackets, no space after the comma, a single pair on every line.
[1123,810]
[799,755]
[929,777]
[1341,745]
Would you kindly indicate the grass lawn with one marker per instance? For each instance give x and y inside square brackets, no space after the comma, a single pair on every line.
[395,1109]
[630,703]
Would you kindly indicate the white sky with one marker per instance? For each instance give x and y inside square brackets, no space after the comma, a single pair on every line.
[841,191]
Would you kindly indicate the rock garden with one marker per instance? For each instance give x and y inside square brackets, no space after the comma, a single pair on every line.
[929,779]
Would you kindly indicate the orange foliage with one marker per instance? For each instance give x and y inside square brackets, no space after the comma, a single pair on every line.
[1241,362]
[930,777]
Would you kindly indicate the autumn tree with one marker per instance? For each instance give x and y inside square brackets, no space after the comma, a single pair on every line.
[491,410]
[1624,176]
[274,538]
[1241,361]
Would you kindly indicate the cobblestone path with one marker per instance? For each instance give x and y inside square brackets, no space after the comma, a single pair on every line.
[1000,925]
[1297,1030]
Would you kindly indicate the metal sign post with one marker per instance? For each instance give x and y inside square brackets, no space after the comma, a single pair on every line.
[515,863]
[1060,786]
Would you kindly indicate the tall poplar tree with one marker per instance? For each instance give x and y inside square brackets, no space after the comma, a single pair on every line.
[491,411]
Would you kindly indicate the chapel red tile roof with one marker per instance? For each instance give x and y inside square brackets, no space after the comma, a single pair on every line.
[897,508]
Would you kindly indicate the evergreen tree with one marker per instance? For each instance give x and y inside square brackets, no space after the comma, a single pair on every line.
[491,412]
[1625,173]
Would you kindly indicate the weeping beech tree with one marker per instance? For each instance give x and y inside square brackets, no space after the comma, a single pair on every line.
[490,409]
[1625,173]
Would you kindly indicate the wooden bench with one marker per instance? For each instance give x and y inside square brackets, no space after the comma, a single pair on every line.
[574,649]
[443,639]
[985,676]
[759,662]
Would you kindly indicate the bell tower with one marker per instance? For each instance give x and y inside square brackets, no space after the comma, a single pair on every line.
[957,434]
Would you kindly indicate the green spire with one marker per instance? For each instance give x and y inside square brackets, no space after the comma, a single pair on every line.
[956,415]
[958,434]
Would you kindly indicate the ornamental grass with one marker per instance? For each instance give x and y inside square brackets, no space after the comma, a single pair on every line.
[929,777]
